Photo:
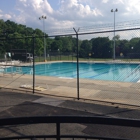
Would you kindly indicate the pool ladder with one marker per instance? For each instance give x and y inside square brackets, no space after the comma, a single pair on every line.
[137,69]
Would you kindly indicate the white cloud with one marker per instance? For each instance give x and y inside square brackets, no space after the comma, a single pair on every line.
[4,15]
[72,13]
[105,1]
[34,6]
[77,10]
[133,6]
[31,10]
[8,16]
[69,13]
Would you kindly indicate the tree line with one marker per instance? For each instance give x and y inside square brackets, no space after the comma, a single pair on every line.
[99,47]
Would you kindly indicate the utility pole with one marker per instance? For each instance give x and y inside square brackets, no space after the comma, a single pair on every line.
[43,18]
[114,33]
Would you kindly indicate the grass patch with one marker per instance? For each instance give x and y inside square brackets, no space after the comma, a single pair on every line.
[73,58]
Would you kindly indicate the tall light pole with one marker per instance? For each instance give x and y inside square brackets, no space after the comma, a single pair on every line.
[114,32]
[43,18]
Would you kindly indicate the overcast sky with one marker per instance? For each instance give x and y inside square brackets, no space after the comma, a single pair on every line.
[68,13]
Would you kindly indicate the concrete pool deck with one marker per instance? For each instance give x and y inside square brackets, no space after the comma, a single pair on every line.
[94,90]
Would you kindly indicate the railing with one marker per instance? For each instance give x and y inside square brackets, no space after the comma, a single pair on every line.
[133,72]
[58,120]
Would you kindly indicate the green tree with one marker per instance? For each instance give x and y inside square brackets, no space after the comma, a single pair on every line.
[67,44]
[123,47]
[136,48]
[134,43]
[85,48]
[101,47]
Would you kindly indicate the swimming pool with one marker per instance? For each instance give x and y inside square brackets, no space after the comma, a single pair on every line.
[98,71]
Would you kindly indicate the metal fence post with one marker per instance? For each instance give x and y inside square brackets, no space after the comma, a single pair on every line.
[77,62]
[33,64]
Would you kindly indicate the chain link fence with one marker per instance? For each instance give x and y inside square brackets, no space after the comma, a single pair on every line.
[96,66]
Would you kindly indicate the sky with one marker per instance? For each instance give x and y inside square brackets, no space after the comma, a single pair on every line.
[62,14]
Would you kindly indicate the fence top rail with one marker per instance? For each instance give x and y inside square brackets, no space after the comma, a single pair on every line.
[70,119]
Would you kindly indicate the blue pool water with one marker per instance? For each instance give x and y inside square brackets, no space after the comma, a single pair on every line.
[99,71]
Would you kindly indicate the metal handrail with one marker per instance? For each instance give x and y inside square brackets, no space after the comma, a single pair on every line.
[68,119]
[134,71]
